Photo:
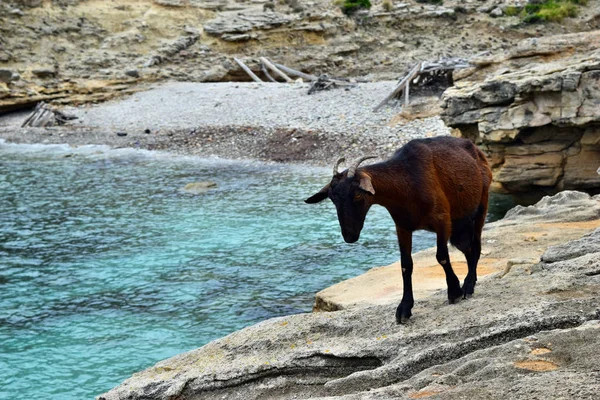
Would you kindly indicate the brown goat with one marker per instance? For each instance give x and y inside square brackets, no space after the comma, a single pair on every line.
[439,184]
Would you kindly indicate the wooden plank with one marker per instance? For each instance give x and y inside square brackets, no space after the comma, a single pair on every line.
[247,70]
[275,69]
[297,73]
[410,76]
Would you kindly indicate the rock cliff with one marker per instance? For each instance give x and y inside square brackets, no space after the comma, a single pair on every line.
[536,112]
[74,51]
[527,333]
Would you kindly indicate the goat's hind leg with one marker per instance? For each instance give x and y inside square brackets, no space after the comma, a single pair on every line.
[443,257]
[477,229]
[463,239]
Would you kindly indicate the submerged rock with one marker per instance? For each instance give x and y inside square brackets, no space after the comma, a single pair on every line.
[199,187]
[534,333]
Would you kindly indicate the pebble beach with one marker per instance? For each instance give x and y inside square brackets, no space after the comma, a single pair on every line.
[264,121]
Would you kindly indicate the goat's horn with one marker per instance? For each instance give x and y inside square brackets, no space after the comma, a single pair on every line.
[337,164]
[356,163]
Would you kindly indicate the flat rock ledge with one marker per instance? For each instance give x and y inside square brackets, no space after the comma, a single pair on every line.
[535,111]
[527,333]
[515,243]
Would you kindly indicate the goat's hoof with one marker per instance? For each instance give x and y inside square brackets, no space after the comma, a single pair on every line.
[455,295]
[403,314]
[468,290]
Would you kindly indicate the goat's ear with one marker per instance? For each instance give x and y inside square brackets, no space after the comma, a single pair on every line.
[365,184]
[319,196]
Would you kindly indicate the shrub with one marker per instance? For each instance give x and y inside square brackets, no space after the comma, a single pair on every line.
[557,12]
[511,11]
[387,5]
[349,7]
[551,10]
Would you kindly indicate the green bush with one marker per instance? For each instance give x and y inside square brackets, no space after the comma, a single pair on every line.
[387,5]
[551,10]
[349,7]
[511,11]
[557,12]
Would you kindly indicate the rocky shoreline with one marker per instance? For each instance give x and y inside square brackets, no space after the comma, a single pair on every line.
[271,122]
[530,331]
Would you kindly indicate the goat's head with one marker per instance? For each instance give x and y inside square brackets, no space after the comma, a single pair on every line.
[352,193]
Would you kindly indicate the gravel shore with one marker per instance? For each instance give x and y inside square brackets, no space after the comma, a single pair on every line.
[277,122]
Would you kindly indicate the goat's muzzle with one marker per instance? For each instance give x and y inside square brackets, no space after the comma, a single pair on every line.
[350,237]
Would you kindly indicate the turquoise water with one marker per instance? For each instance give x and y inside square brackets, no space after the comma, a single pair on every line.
[106,267]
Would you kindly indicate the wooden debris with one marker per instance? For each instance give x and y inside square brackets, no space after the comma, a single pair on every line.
[425,73]
[275,69]
[291,71]
[247,70]
[403,83]
[266,72]
[43,115]
[324,82]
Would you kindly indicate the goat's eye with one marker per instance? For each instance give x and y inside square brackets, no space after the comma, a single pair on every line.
[357,196]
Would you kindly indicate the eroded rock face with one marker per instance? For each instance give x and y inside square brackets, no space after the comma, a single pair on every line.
[536,113]
[535,333]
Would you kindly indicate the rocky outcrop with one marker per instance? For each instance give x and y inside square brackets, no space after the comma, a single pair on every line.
[536,113]
[532,330]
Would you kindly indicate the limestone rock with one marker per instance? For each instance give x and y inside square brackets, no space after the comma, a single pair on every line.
[536,334]
[245,23]
[530,113]
[496,12]
[171,3]
[565,206]
[44,71]
[6,75]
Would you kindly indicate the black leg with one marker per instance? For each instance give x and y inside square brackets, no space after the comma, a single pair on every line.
[462,237]
[442,256]
[404,310]
[474,252]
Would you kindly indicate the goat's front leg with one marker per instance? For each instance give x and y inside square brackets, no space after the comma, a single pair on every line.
[403,312]
[443,257]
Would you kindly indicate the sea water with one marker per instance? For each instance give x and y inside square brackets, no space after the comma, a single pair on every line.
[107,266]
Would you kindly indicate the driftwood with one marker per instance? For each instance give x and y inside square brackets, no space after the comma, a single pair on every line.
[266,72]
[43,115]
[247,70]
[275,69]
[324,82]
[401,86]
[291,71]
[425,73]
